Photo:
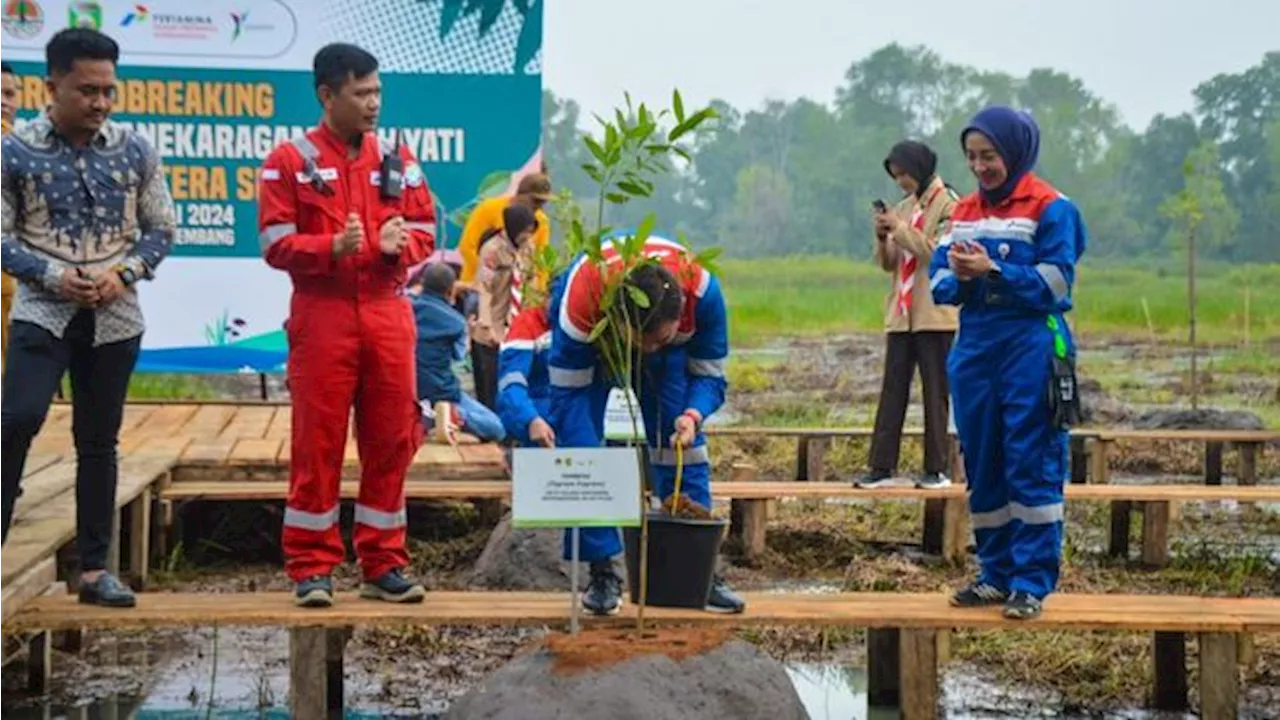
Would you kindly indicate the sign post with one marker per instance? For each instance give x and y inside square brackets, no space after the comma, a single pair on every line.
[575,488]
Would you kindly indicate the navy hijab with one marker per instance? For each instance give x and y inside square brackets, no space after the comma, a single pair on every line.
[1015,136]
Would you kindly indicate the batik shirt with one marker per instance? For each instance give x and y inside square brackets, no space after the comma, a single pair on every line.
[100,207]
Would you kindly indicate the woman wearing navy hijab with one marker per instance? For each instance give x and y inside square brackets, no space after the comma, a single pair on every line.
[1008,260]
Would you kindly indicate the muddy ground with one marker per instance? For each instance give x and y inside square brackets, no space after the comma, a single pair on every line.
[814,547]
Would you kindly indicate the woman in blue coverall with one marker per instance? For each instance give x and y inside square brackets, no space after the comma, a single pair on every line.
[1008,260]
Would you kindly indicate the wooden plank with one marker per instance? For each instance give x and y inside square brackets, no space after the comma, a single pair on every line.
[845,432]
[1258,436]
[259,452]
[39,461]
[1139,613]
[159,424]
[208,452]
[31,584]
[1247,474]
[43,486]
[281,427]
[1100,461]
[262,490]
[250,422]
[208,422]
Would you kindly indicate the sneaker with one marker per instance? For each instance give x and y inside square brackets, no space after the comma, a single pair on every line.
[603,595]
[107,591]
[723,599]
[933,481]
[1022,606]
[314,592]
[979,594]
[875,479]
[393,587]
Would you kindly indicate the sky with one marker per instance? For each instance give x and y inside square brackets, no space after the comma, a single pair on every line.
[1145,56]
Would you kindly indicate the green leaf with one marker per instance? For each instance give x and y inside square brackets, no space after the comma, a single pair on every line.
[617,198]
[635,189]
[681,152]
[690,123]
[493,183]
[646,226]
[610,138]
[592,172]
[637,296]
[596,151]
[708,255]
[598,330]
[677,104]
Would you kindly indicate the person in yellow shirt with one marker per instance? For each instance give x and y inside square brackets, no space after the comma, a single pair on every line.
[534,191]
[8,113]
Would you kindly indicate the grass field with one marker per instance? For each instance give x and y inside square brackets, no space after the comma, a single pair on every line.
[809,295]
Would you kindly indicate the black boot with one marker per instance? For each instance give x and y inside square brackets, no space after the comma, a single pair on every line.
[603,595]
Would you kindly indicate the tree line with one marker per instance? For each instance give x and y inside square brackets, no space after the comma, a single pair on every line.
[800,176]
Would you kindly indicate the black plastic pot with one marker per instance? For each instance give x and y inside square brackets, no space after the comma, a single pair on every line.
[682,560]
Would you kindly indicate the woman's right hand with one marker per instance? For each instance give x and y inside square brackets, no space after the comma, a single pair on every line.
[540,432]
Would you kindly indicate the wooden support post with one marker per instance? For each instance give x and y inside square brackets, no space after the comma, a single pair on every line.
[1169,659]
[491,511]
[935,512]
[812,459]
[39,662]
[1079,461]
[1213,463]
[1155,534]
[955,530]
[883,647]
[1120,513]
[1219,681]
[755,520]
[161,524]
[918,681]
[1246,652]
[956,460]
[1248,469]
[1100,469]
[140,537]
[315,671]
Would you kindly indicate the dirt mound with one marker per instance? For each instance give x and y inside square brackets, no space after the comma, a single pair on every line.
[675,675]
[1203,419]
[600,649]
[515,559]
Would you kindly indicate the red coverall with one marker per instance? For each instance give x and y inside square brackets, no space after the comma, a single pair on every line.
[351,342]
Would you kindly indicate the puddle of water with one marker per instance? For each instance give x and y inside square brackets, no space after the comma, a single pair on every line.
[835,692]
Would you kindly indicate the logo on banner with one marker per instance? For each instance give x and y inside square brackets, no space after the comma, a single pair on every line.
[242,25]
[23,19]
[84,15]
[139,14]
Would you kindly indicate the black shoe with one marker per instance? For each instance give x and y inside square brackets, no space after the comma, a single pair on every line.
[393,587]
[979,594]
[875,479]
[314,592]
[603,595]
[723,599]
[1022,606]
[107,591]
[933,481]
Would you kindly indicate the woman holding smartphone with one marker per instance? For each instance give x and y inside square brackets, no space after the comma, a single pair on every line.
[918,332]
[1008,260]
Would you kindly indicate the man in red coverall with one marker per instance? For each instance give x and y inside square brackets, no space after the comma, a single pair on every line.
[346,241]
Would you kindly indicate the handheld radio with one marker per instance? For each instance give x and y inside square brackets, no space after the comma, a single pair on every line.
[392,172]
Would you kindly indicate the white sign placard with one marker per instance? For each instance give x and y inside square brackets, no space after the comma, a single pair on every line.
[575,487]
[617,417]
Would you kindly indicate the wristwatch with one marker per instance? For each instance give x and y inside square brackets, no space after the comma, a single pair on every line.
[127,275]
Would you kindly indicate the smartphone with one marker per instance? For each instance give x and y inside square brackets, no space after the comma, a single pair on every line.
[880,207]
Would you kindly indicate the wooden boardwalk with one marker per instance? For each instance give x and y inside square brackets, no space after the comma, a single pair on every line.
[215,441]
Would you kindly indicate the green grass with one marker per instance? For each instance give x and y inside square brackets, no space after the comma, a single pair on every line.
[809,295]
